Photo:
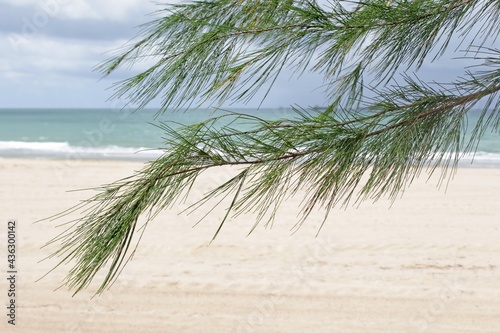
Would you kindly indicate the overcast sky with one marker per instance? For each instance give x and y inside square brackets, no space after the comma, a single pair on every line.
[49,47]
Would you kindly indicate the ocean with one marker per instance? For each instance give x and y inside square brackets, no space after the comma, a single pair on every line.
[124,134]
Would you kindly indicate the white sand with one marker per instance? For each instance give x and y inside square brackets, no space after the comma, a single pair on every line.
[429,263]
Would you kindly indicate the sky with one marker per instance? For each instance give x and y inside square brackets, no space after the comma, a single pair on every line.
[50,47]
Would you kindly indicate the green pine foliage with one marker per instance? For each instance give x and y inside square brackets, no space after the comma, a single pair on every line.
[220,51]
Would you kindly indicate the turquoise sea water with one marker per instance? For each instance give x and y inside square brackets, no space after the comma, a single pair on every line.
[123,134]
[96,133]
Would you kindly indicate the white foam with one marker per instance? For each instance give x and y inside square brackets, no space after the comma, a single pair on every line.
[65,150]
[481,159]
[36,146]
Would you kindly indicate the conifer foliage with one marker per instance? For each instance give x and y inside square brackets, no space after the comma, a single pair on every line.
[379,124]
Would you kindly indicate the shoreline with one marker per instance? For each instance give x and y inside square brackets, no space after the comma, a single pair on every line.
[466,163]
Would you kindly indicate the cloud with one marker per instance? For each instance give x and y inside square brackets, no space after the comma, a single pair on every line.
[49,48]
[48,52]
[80,19]
[110,10]
[55,55]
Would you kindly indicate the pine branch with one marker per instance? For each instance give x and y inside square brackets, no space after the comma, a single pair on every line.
[448,106]
[284,33]
[321,154]
[228,50]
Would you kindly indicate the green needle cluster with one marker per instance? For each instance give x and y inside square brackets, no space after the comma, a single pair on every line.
[372,140]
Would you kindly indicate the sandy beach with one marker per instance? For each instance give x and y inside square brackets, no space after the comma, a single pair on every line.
[428,263]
